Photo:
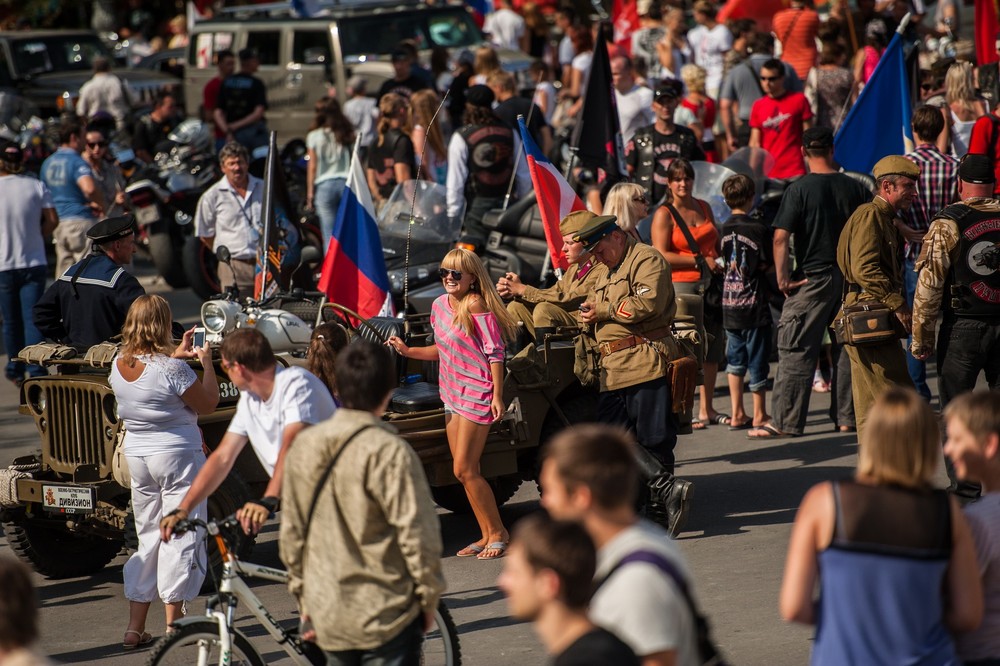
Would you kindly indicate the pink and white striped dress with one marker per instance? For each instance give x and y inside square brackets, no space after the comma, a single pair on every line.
[464,379]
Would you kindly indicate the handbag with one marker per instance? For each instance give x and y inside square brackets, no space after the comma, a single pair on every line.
[711,285]
[866,323]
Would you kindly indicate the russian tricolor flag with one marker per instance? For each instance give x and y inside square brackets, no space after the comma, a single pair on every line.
[556,199]
[354,273]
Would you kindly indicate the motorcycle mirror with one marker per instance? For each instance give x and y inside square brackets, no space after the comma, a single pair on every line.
[222,254]
[310,254]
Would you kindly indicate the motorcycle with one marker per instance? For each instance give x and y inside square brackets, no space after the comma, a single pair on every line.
[21,122]
[164,195]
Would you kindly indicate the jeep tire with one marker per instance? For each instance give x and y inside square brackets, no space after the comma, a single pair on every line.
[55,552]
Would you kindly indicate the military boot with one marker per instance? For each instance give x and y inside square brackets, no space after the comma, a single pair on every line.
[669,498]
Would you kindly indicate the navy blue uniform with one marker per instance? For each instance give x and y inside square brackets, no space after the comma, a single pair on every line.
[92,309]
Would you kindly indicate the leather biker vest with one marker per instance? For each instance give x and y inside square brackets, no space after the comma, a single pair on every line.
[974,278]
[491,159]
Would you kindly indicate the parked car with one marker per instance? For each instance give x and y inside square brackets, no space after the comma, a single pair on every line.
[301,57]
[48,67]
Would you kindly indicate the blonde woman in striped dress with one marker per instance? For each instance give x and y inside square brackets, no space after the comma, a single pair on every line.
[470,326]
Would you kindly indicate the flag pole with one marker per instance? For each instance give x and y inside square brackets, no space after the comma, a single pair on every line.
[517,158]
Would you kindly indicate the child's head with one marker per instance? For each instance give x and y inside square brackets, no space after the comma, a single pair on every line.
[973,425]
[738,191]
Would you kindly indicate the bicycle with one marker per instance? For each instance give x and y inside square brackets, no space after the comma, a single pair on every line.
[212,638]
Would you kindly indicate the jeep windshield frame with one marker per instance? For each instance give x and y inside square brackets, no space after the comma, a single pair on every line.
[379,34]
[55,54]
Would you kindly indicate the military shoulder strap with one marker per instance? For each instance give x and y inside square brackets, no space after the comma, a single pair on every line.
[954,212]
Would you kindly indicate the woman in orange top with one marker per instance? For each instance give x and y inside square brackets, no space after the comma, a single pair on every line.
[669,239]
[796,28]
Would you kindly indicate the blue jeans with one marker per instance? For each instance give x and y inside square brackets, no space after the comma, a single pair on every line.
[20,289]
[917,369]
[403,650]
[750,349]
[326,200]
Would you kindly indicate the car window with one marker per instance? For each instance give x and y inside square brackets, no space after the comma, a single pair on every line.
[311,47]
[379,35]
[268,45]
[57,53]
[207,44]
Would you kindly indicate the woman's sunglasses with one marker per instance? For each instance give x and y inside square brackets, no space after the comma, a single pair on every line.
[97,144]
[455,275]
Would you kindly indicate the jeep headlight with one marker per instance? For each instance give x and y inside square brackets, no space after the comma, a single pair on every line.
[219,316]
[37,399]
[110,406]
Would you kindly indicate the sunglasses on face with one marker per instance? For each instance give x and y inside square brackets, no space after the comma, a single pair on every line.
[926,87]
[97,144]
[770,78]
[455,275]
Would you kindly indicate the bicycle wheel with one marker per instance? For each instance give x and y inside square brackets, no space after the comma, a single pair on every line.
[441,646]
[198,643]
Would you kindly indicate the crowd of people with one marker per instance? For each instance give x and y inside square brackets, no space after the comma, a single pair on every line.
[876,266]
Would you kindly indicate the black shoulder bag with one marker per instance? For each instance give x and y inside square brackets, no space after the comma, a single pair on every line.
[711,283]
[708,652]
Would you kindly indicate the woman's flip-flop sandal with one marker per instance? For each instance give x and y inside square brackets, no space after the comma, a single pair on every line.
[496,545]
[472,550]
[772,433]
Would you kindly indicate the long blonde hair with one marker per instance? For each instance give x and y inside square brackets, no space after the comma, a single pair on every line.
[901,442]
[147,328]
[423,104]
[621,203]
[958,85]
[482,286]
[389,108]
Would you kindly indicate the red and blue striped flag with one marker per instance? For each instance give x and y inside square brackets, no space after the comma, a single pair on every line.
[354,273]
[556,199]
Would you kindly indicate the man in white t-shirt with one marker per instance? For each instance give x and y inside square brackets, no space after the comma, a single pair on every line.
[504,26]
[590,475]
[276,403]
[635,102]
[710,41]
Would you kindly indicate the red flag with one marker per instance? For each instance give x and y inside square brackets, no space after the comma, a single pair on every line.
[625,16]
[556,199]
[986,31]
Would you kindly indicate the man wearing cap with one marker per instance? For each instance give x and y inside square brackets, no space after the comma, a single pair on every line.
[778,120]
[24,201]
[959,272]
[936,189]
[869,254]
[813,211]
[242,103]
[88,304]
[405,81]
[480,163]
[631,309]
[654,147]
[541,311]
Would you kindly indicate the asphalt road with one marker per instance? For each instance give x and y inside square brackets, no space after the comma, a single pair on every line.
[746,494]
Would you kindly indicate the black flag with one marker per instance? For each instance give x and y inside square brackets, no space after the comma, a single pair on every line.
[598,134]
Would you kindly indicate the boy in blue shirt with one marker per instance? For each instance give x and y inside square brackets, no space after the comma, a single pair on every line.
[746,249]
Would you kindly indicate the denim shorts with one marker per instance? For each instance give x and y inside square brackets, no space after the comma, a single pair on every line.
[750,349]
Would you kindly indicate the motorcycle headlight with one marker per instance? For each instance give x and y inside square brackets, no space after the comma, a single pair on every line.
[219,316]
[182,218]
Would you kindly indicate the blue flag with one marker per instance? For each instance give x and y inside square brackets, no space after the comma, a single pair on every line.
[879,123]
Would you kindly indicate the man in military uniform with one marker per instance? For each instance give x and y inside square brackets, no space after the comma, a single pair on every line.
[541,311]
[870,256]
[88,304]
[631,308]
[959,269]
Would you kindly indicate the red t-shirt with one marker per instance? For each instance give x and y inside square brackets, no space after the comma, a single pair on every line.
[210,100]
[780,124]
[979,144]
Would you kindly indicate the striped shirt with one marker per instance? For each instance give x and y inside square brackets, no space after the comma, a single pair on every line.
[937,187]
[465,379]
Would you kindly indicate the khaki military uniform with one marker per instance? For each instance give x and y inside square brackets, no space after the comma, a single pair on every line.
[556,306]
[967,344]
[869,254]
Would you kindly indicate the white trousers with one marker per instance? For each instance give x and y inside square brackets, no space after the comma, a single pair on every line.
[175,569]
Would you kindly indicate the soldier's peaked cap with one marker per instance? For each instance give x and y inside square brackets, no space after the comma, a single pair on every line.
[976,169]
[593,231]
[574,222]
[895,165]
[111,229]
